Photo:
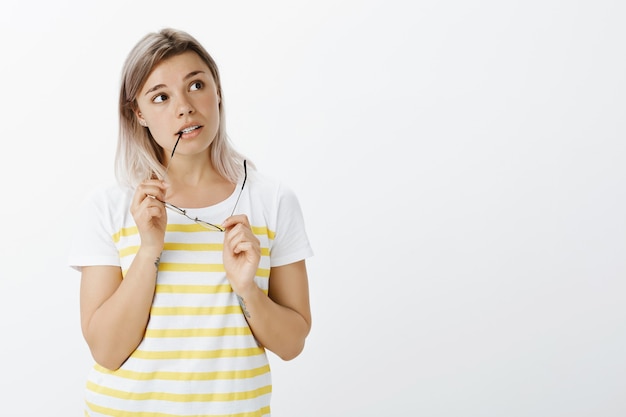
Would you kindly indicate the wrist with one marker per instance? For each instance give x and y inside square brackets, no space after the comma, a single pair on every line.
[246,297]
[246,291]
[146,254]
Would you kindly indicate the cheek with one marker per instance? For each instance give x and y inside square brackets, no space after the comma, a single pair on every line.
[212,107]
[160,129]
[216,107]
[156,116]
[212,102]
[157,126]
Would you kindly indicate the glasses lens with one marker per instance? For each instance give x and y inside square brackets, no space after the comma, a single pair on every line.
[208,225]
[176,209]
[202,223]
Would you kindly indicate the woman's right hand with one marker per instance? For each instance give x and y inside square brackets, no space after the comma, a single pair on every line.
[150,214]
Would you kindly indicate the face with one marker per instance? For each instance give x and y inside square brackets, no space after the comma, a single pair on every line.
[180,95]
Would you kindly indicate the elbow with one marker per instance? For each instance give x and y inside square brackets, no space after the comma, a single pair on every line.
[292,350]
[107,352]
[107,360]
[110,365]
[289,344]
[295,349]
[290,354]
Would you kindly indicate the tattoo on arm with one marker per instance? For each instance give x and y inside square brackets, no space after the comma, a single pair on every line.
[242,303]
[157,262]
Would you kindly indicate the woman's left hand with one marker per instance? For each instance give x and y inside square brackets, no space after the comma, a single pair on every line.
[242,253]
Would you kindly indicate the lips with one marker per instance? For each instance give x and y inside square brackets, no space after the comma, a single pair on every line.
[188,129]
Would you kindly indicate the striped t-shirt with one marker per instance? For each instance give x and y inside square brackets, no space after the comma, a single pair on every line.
[198,356]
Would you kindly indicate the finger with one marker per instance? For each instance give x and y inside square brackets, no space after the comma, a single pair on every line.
[238,240]
[247,247]
[150,208]
[156,190]
[238,232]
[148,216]
[149,188]
[235,220]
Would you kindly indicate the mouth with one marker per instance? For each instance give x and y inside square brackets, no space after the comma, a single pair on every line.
[188,130]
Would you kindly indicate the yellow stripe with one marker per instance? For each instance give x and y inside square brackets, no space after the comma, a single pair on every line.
[260,230]
[197,247]
[226,331]
[203,247]
[197,354]
[191,227]
[186,376]
[192,247]
[183,398]
[173,267]
[125,231]
[203,289]
[121,413]
[129,250]
[193,289]
[132,230]
[194,311]
[186,267]
[263,231]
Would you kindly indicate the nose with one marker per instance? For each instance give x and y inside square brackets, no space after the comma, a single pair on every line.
[184,107]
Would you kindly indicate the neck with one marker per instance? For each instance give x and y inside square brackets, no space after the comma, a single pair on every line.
[194,182]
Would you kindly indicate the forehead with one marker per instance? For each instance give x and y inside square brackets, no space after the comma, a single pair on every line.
[175,68]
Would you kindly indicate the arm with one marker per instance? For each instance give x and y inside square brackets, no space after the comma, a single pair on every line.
[114,311]
[282,320]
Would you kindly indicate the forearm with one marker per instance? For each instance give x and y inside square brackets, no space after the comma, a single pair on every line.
[278,328]
[280,320]
[117,327]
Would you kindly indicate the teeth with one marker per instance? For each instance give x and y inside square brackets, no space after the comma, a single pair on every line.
[190,129]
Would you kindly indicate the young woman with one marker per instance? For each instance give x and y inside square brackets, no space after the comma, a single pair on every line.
[195,263]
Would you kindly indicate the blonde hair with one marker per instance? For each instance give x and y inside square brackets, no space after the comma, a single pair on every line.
[138,156]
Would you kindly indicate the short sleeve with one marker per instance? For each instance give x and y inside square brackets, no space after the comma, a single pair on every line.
[92,240]
[291,243]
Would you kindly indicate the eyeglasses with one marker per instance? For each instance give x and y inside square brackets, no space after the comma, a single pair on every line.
[195,219]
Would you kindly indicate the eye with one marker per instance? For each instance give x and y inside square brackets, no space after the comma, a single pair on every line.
[159,98]
[196,85]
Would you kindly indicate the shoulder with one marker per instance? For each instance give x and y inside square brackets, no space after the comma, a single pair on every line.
[284,217]
[108,199]
[268,187]
[108,192]
[278,199]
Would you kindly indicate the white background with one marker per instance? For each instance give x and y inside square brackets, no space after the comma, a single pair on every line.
[461,166]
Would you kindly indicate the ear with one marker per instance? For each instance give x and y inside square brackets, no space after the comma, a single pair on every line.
[140,118]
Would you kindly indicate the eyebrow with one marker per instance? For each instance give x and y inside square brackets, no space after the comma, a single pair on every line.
[188,76]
